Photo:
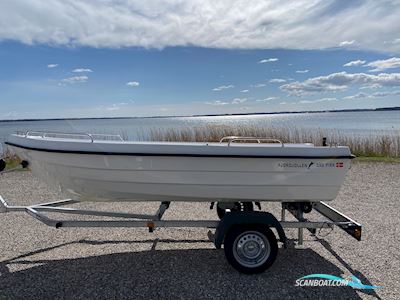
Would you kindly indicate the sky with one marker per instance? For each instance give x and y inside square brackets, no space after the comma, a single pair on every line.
[109,58]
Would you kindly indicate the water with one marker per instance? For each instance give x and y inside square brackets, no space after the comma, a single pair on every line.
[353,123]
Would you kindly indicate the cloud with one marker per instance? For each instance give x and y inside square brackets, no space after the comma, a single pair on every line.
[262,25]
[346,43]
[217,103]
[239,100]
[384,64]
[302,71]
[385,94]
[372,86]
[283,103]
[277,80]
[267,99]
[115,106]
[318,100]
[357,96]
[75,79]
[339,82]
[221,102]
[51,66]
[354,63]
[267,60]
[223,87]
[244,91]
[258,85]
[82,70]
[133,83]
[374,95]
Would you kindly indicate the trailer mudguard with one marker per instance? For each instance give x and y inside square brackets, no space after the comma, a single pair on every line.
[247,217]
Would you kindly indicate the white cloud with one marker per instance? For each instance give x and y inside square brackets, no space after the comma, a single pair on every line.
[75,79]
[116,106]
[239,100]
[318,100]
[277,80]
[346,43]
[82,70]
[133,83]
[357,96]
[372,86]
[113,107]
[267,60]
[354,63]
[283,103]
[302,71]
[339,82]
[217,103]
[223,87]
[258,85]
[267,99]
[384,64]
[385,94]
[244,91]
[381,94]
[374,95]
[51,66]
[263,24]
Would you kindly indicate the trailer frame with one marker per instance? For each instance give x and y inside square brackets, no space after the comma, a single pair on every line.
[231,222]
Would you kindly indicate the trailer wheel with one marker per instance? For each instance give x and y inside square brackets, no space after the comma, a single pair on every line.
[250,249]
[237,206]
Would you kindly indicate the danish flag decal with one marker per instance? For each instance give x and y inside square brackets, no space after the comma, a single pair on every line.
[339,165]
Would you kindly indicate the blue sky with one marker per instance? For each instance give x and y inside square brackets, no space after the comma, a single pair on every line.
[68,59]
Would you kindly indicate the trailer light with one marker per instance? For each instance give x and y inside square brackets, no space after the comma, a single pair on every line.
[151,226]
[357,233]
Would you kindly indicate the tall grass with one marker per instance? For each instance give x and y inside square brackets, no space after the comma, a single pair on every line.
[372,145]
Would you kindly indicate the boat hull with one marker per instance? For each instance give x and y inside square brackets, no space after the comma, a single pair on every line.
[99,177]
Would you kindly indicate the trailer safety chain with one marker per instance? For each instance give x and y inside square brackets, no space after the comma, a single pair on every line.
[318,234]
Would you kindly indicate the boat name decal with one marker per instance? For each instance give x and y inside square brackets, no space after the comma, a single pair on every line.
[305,165]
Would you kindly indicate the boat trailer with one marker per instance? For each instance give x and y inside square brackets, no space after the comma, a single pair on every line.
[249,244]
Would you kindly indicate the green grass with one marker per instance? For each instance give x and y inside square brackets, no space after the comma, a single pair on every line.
[13,162]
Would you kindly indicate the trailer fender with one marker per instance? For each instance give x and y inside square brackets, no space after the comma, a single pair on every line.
[247,217]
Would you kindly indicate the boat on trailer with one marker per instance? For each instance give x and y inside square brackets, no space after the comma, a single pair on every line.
[90,168]
[235,173]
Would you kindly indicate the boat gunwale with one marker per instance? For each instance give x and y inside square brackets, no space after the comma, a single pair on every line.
[178,154]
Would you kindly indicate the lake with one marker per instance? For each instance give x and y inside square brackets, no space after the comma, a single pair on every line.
[354,123]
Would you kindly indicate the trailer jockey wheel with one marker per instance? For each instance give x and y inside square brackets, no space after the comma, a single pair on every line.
[236,206]
[251,248]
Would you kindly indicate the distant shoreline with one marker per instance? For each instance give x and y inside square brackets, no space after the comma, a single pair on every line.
[213,115]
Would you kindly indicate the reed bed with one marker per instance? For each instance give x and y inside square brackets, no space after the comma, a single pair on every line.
[379,145]
[373,145]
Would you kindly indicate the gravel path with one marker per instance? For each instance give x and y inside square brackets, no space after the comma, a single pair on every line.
[39,262]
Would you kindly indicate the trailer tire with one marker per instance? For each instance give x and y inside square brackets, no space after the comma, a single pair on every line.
[250,248]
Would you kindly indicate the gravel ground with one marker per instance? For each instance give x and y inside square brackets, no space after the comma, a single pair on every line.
[37,261]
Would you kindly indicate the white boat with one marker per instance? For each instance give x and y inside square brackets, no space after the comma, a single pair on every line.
[90,168]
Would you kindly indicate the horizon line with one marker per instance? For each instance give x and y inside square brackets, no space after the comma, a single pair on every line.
[392,108]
